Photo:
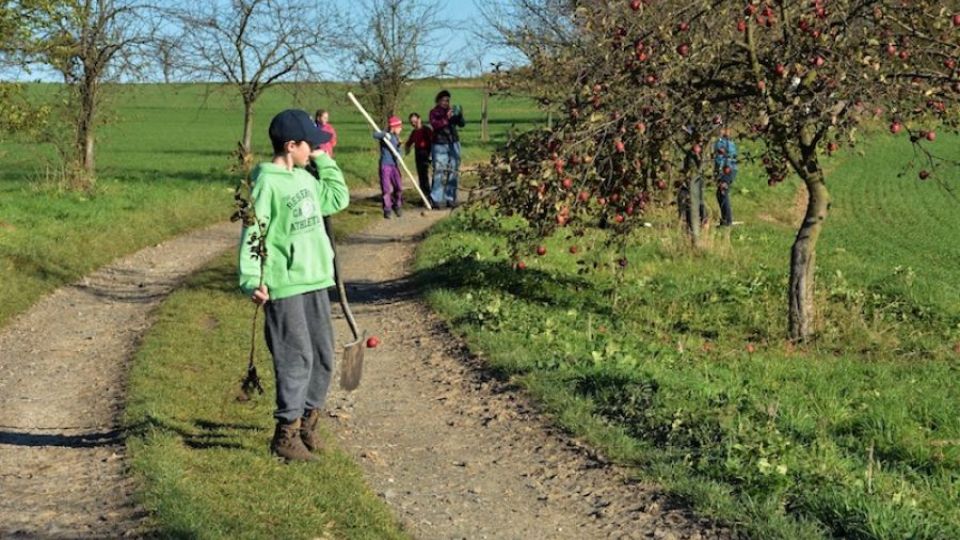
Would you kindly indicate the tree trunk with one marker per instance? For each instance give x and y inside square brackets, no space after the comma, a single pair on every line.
[693,211]
[803,257]
[484,133]
[247,126]
[85,126]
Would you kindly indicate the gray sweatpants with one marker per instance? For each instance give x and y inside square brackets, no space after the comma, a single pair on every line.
[300,337]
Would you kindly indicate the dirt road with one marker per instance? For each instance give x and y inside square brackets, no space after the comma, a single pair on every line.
[454,451]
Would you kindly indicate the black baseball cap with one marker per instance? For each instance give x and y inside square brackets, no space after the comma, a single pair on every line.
[296,125]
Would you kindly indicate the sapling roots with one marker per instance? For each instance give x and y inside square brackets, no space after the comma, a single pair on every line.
[244,212]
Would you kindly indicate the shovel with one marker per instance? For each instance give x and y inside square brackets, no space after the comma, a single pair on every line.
[352,368]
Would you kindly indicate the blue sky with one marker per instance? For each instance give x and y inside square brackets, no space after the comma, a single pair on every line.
[464,54]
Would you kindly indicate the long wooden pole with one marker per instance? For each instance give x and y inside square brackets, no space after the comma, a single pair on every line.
[393,150]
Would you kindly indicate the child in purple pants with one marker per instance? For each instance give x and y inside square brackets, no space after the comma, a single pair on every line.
[391,185]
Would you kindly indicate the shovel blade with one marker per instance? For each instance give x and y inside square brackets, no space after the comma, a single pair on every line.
[352,368]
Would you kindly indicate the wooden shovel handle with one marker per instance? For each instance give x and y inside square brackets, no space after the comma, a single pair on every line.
[341,289]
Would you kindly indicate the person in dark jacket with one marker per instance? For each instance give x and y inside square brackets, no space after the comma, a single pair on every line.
[421,140]
[445,120]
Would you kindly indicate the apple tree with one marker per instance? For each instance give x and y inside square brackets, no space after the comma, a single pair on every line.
[646,82]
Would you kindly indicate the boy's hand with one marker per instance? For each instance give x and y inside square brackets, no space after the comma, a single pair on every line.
[260,296]
[316,152]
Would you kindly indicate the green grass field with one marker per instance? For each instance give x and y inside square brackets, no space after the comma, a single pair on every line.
[164,160]
[164,168]
[855,436]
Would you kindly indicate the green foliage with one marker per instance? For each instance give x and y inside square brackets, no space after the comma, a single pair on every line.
[676,364]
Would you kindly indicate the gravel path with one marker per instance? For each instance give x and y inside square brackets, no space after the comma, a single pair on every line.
[455,452]
[63,365]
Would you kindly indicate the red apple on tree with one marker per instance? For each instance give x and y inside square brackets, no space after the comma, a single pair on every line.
[583,196]
[635,4]
[924,174]
[573,250]
[541,250]
[567,183]
[931,135]
[896,127]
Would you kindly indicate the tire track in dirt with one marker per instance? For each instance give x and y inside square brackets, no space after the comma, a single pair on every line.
[63,366]
[456,452]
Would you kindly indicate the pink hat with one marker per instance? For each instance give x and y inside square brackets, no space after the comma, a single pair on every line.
[394,121]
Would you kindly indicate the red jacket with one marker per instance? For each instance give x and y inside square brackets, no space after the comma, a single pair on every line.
[420,139]
[328,146]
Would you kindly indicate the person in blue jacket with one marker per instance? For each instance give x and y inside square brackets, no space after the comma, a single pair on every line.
[725,171]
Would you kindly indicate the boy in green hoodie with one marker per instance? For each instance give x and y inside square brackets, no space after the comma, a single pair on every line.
[297,271]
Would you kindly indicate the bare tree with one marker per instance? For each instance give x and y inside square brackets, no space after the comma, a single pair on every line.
[169,55]
[383,44]
[530,27]
[88,42]
[249,44]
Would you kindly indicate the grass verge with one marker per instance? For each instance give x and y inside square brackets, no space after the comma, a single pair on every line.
[678,366]
[202,458]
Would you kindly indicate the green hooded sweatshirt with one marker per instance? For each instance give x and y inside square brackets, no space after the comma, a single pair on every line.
[290,204]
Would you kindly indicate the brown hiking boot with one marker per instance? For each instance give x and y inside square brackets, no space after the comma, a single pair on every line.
[308,431]
[287,444]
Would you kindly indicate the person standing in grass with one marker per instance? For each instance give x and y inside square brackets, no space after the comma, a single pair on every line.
[322,118]
[445,120]
[421,139]
[292,282]
[391,184]
[725,171]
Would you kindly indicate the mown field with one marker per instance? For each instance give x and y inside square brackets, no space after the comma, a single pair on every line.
[678,366]
[164,168]
[164,161]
